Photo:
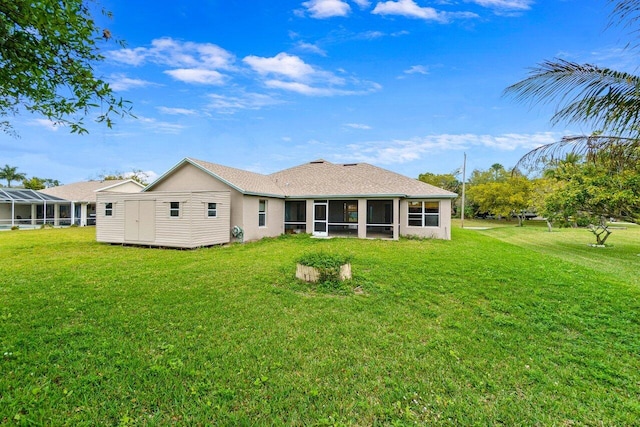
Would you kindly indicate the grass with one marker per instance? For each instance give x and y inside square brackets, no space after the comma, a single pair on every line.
[499,326]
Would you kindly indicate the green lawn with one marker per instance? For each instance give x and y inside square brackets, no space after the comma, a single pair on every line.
[511,326]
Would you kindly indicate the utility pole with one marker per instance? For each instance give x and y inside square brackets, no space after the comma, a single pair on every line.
[464,178]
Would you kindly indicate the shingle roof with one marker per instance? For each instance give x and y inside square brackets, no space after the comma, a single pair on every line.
[244,181]
[84,191]
[322,178]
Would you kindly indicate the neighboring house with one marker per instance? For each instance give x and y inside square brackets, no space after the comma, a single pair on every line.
[205,203]
[28,208]
[82,197]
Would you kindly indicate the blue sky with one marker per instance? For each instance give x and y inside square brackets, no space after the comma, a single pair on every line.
[408,85]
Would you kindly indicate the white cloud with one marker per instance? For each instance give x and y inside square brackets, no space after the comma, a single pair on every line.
[410,9]
[301,88]
[190,62]
[417,69]
[174,53]
[306,89]
[362,3]
[177,111]
[134,57]
[197,75]
[358,126]
[308,47]
[321,9]
[403,151]
[290,73]
[371,35]
[120,82]
[45,123]
[245,101]
[505,4]
[284,64]
[160,127]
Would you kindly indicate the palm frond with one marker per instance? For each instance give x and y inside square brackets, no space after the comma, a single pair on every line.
[584,93]
[622,149]
[625,13]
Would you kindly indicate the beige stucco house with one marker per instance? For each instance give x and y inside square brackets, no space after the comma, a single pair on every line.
[63,205]
[197,203]
[81,199]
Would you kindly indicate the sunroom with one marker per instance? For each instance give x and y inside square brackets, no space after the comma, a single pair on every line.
[29,208]
[361,218]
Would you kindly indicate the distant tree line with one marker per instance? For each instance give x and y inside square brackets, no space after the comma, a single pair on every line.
[11,175]
[572,191]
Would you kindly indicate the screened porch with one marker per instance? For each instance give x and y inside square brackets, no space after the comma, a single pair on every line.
[360,218]
[31,209]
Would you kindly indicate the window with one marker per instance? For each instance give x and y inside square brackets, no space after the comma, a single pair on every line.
[424,214]
[174,209]
[295,216]
[262,213]
[212,210]
[108,209]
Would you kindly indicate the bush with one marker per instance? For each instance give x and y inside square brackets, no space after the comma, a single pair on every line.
[328,265]
[15,227]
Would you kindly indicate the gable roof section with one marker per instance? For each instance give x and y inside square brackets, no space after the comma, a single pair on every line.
[318,178]
[323,179]
[85,191]
[245,182]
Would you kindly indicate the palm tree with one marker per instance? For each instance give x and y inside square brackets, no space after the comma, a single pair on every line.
[603,98]
[496,168]
[10,173]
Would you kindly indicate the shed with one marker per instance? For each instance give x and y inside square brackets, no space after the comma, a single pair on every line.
[184,219]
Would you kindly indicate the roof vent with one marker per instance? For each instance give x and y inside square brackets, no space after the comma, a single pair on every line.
[317,162]
[350,164]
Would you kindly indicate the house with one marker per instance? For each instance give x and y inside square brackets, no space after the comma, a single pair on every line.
[197,203]
[81,197]
[28,208]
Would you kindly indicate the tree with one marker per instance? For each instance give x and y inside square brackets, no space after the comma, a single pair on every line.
[10,173]
[47,52]
[496,173]
[447,181]
[497,169]
[504,198]
[136,175]
[603,98]
[36,183]
[592,193]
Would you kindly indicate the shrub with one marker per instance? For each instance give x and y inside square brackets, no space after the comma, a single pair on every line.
[328,265]
[15,227]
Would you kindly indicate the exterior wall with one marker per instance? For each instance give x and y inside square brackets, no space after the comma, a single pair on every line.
[127,187]
[443,231]
[275,218]
[192,228]
[362,218]
[189,178]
